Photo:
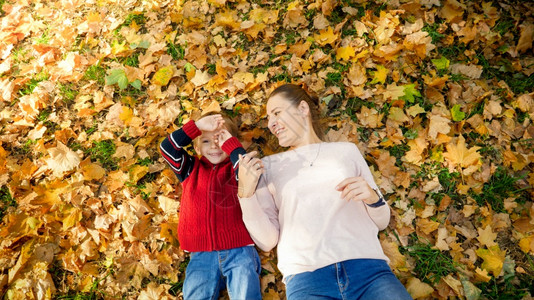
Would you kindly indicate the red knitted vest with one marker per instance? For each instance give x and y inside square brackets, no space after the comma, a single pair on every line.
[210,214]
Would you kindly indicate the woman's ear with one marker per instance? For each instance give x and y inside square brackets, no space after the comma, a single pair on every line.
[304,108]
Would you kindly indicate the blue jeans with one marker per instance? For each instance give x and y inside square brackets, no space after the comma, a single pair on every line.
[209,272]
[367,279]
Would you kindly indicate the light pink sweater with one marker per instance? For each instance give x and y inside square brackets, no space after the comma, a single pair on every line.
[297,207]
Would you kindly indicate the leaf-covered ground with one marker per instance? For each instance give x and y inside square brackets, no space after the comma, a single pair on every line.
[438,95]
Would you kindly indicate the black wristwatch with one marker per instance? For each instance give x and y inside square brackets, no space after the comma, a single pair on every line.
[381,201]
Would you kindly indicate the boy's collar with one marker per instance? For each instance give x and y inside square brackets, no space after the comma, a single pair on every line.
[205,160]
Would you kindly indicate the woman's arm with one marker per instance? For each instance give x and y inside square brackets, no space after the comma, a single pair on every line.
[260,216]
[260,213]
[363,188]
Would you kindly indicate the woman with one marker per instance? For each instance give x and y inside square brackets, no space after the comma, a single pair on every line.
[319,203]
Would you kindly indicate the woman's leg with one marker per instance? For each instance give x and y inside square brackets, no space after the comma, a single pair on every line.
[241,267]
[320,284]
[202,277]
[370,279]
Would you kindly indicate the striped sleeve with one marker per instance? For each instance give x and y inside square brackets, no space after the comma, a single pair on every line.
[233,148]
[172,150]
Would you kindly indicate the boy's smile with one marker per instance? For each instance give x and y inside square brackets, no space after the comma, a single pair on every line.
[207,146]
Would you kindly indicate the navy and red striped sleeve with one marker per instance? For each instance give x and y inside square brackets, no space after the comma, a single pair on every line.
[172,150]
[233,148]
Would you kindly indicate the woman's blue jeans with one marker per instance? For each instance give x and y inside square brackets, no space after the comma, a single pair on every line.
[209,272]
[365,279]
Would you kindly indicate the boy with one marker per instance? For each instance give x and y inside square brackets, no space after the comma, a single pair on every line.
[210,225]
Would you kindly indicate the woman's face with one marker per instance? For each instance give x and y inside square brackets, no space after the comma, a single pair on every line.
[287,121]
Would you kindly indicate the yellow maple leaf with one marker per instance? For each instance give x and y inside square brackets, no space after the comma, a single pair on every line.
[493,259]
[397,114]
[228,19]
[391,249]
[73,216]
[393,92]
[92,171]
[163,75]
[415,110]
[486,236]
[326,36]
[482,275]
[418,289]
[200,78]
[380,74]
[460,155]
[527,244]
[126,115]
[345,53]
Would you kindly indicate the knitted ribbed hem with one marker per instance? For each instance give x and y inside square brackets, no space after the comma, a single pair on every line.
[225,240]
[191,129]
[230,145]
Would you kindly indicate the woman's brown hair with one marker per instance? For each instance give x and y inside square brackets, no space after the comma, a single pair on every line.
[295,94]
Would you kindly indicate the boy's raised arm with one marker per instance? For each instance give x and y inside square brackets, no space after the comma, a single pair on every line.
[172,149]
[232,147]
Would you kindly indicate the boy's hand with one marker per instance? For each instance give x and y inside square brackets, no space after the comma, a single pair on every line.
[210,123]
[222,136]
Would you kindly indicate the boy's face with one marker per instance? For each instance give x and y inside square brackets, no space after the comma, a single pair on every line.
[207,147]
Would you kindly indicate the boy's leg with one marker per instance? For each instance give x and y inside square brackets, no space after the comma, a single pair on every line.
[202,277]
[241,267]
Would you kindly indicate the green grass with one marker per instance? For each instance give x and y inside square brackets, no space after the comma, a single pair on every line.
[504,25]
[176,288]
[454,52]
[44,38]
[1,10]
[432,29]
[430,264]
[96,73]
[212,69]
[132,60]
[138,18]
[145,161]
[398,151]
[67,92]
[176,51]
[32,83]
[6,201]
[102,152]
[500,186]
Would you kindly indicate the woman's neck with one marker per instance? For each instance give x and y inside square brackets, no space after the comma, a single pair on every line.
[308,139]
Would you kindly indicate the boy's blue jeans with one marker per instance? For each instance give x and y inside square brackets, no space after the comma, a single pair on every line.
[365,279]
[209,272]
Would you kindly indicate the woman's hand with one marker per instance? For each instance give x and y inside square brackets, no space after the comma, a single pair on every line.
[210,123]
[222,136]
[250,170]
[356,188]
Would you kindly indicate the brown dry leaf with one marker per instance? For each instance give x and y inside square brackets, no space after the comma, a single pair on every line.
[62,159]
[486,237]
[525,40]
[438,124]
[418,289]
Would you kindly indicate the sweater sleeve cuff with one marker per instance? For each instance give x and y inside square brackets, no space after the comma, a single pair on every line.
[230,145]
[191,129]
